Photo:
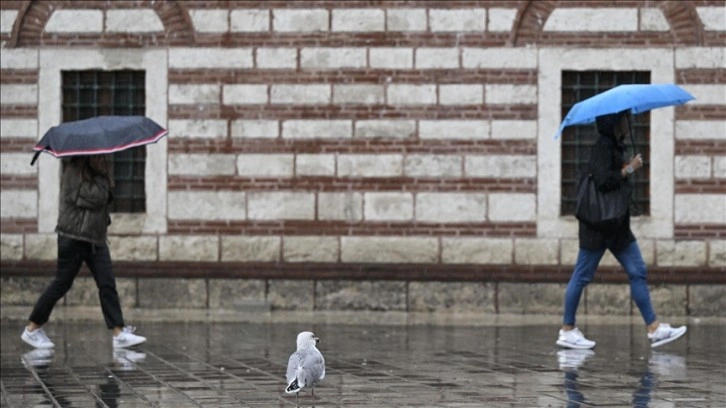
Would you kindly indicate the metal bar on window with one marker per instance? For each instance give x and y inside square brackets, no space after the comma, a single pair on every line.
[97,93]
[577,140]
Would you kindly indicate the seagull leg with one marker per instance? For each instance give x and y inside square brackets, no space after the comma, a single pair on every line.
[297,394]
[313,393]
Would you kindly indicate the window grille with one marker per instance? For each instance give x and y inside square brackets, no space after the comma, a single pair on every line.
[94,93]
[577,141]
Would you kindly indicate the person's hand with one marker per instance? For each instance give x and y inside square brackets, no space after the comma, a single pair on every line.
[636,162]
[630,168]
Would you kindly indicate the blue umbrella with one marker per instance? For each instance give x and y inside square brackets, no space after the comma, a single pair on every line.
[637,98]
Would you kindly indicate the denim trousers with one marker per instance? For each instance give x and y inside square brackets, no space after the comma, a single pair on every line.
[71,255]
[587,262]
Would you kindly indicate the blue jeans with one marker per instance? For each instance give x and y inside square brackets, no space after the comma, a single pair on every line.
[588,260]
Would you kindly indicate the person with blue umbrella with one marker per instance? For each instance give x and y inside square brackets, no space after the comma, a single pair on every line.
[610,171]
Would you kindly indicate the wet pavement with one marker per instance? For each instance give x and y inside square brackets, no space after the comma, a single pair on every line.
[371,364]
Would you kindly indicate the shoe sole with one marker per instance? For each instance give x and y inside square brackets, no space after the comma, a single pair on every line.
[574,346]
[669,339]
[129,345]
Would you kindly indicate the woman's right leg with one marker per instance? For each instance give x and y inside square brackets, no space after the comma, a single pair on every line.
[99,262]
[587,262]
[69,263]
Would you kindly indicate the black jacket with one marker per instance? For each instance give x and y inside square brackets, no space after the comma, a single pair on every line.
[84,210]
[606,163]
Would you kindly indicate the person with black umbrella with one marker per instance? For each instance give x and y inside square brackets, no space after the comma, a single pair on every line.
[86,192]
[609,172]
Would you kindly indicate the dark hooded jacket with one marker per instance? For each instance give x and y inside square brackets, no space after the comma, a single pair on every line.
[605,165]
[84,209]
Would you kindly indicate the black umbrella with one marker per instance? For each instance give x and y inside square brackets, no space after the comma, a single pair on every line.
[98,135]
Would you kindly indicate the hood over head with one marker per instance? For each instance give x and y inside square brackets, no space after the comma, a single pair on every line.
[607,125]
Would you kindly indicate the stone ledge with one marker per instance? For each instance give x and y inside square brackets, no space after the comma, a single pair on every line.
[373,272]
[259,295]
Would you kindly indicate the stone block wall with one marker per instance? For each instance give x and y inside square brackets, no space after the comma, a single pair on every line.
[260,295]
[324,141]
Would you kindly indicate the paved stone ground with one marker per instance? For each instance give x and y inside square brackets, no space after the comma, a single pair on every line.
[374,362]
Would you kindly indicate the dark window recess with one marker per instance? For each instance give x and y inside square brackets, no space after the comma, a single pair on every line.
[94,93]
[577,141]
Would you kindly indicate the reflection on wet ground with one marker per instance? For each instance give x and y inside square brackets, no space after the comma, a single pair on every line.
[243,365]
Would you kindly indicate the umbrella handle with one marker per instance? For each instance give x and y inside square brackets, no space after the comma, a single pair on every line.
[635,153]
[632,139]
[35,157]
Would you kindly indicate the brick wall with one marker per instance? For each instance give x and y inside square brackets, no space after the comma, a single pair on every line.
[324,139]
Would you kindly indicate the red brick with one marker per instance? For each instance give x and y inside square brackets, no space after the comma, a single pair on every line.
[19,182]
[696,186]
[18,111]
[353,146]
[18,76]
[357,228]
[700,147]
[355,76]
[236,183]
[19,226]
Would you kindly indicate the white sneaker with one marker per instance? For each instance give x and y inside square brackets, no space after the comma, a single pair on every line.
[665,334]
[127,359]
[37,338]
[127,338]
[38,357]
[574,339]
[573,359]
[665,364]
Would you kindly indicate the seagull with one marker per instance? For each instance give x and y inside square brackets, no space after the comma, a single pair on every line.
[306,367]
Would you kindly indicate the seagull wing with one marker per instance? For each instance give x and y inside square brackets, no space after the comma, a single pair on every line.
[307,367]
[292,364]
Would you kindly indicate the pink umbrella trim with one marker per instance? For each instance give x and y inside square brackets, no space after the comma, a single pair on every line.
[150,140]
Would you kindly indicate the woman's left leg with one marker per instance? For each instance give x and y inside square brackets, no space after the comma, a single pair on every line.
[632,260]
[585,267]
